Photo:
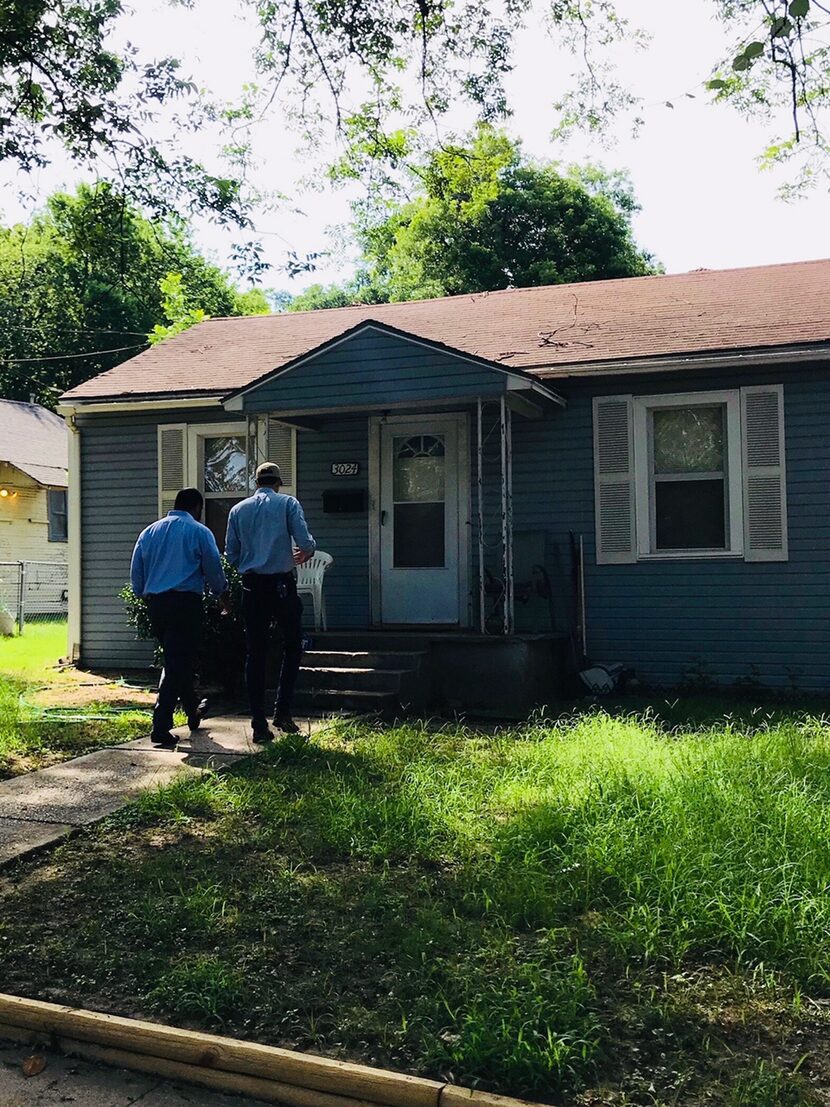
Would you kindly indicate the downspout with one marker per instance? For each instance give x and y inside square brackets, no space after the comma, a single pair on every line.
[74,539]
[480,505]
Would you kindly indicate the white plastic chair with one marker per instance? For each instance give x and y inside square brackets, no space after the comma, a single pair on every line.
[310,582]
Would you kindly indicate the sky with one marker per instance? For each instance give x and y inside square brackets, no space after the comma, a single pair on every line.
[705,203]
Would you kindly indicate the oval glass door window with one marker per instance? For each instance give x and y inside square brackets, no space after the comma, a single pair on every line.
[419,501]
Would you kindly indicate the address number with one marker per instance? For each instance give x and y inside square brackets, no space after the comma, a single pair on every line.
[345,468]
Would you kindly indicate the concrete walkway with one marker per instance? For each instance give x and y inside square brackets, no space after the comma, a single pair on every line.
[40,808]
[65,1080]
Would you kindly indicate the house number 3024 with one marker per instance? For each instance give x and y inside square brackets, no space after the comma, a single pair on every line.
[345,468]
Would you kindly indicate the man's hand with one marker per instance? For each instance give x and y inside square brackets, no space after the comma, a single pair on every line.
[301,556]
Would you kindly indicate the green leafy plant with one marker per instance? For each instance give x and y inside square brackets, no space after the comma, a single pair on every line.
[222,646]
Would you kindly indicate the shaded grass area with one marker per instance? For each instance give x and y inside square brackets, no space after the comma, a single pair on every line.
[627,909]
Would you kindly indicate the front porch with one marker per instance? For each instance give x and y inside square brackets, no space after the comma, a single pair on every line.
[449,673]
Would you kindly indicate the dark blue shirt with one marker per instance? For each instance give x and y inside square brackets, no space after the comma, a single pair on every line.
[176,554]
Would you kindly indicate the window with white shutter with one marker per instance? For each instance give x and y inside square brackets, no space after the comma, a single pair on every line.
[614,480]
[172,463]
[698,474]
[764,473]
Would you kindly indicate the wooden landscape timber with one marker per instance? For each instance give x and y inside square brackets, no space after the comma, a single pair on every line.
[268,1073]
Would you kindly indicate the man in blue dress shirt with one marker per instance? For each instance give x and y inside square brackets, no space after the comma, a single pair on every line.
[172,560]
[263,532]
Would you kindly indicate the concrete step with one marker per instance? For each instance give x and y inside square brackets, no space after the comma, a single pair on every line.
[367,680]
[320,657]
[381,641]
[353,700]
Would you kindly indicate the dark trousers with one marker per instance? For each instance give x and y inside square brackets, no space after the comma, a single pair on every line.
[176,618]
[268,599]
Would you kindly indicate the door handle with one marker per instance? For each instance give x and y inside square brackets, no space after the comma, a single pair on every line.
[383,518]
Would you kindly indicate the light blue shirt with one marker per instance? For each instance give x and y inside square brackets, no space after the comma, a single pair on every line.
[176,554]
[263,530]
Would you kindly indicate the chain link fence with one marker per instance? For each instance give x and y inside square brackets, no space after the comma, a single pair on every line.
[32,591]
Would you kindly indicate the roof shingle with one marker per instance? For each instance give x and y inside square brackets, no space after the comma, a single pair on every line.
[549,330]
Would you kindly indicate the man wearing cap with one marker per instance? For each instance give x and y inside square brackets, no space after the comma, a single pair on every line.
[172,560]
[263,532]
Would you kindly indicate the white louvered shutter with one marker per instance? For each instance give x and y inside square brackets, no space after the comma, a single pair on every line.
[764,473]
[280,447]
[614,480]
[172,463]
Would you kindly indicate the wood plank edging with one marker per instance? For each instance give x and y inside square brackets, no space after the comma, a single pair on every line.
[265,1072]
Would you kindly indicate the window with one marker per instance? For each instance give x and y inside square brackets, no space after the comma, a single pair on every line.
[222,475]
[688,474]
[418,483]
[691,475]
[56,507]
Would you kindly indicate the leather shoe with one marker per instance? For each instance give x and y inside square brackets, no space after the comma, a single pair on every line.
[286,724]
[262,734]
[166,741]
[194,721]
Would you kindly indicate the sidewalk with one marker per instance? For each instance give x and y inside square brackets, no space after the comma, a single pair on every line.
[86,1084]
[40,808]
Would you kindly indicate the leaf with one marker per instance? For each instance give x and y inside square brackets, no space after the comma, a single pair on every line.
[716,83]
[754,50]
[33,1065]
[741,63]
[781,27]
[799,8]
[669,104]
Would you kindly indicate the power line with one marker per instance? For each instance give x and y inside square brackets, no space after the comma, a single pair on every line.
[66,357]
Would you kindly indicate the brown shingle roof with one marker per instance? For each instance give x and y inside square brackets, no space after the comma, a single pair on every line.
[34,440]
[548,330]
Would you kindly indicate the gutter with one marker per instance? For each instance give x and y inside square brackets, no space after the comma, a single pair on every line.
[98,406]
[725,360]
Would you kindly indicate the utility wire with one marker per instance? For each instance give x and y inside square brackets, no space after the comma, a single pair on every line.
[66,357]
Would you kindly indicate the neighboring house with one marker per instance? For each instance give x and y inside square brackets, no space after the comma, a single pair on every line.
[33,504]
[453,454]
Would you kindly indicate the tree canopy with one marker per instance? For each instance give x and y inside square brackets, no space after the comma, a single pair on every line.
[81,288]
[484,218]
[383,73]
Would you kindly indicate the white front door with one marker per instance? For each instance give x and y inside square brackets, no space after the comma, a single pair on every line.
[422,544]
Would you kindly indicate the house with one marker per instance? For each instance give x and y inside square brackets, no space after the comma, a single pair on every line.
[642,462]
[33,506]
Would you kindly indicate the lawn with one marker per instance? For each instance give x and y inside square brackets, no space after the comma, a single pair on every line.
[608,908]
[49,713]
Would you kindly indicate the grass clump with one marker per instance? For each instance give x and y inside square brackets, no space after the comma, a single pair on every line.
[573,901]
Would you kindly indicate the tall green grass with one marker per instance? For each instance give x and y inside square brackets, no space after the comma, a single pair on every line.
[459,902]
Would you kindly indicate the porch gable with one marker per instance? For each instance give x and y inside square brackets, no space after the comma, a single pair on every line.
[373,367]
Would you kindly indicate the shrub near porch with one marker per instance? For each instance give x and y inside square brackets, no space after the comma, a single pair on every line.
[601,902]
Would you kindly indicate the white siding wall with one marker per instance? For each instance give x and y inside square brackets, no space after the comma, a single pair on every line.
[24,521]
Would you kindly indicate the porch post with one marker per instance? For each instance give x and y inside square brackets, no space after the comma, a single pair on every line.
[480,489]
[507,512]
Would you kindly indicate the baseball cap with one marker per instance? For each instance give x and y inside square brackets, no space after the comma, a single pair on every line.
[269,472]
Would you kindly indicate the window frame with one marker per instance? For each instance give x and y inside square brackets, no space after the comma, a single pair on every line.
[643,407]
[197,433]
[51,514]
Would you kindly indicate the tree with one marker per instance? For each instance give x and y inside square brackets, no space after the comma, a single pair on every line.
[487,218]
[80,289]
[362,68]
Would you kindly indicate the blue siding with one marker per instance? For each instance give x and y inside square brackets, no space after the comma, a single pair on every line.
[119,497]
[734,619]
[370,370]
[345,537]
